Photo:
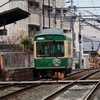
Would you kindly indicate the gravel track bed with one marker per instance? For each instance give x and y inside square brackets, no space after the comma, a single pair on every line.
[38,93]
[8,90]
[76,92]
[95,76]
[78,75]
[97,96]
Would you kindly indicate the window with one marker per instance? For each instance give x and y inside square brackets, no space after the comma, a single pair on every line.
[50,49]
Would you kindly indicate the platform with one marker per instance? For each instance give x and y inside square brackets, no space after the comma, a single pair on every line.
[16,74]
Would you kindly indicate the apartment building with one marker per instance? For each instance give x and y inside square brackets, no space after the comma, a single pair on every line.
[34,18]
[31,25]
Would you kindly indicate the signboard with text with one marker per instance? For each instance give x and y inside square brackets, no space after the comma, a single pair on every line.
[3,32]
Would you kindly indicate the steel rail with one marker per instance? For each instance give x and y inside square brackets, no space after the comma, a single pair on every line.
[20,90]
[92,91]
[5,86]
[80,70]
[49,97]
[13,93]
[75,73]
[53,95]
[88,75]
[16,83]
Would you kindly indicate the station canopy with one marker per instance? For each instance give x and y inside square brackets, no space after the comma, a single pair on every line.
[12,15]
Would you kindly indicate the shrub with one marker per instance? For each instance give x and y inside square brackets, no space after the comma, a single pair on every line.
[27,41]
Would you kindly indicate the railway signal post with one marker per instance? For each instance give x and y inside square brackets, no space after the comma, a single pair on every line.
[80,41]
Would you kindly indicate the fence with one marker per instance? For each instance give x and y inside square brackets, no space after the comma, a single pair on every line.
[17,59]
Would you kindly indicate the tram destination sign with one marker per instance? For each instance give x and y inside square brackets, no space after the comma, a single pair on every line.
[3,32]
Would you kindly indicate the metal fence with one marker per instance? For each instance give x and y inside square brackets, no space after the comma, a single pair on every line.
[17,59]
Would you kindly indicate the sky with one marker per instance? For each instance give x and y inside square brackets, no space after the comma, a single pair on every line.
[87,3]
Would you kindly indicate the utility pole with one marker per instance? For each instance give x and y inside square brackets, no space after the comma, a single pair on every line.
[49,11]
[80,40]
[54,13]
[72,29]
[71,3]
[61,20]
[41,15]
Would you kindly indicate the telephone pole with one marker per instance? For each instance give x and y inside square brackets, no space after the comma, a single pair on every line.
[49,12]
[41,15]
[61,19]
[72,29]
[54,13]
[80,40]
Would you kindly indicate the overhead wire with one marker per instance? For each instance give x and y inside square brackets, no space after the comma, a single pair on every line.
[94,7]
[78,2]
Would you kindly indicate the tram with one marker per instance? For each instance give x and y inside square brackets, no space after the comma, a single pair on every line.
[52,53]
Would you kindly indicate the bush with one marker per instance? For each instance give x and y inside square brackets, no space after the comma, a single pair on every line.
[27,41]
[77,65]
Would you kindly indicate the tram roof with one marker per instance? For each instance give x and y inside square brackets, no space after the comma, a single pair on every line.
[51,31]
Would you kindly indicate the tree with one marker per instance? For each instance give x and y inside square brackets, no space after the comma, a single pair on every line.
[28,43]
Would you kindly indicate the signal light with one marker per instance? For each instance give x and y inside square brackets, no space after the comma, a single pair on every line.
[80,38]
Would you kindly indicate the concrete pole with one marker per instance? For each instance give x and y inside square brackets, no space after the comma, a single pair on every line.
[71,3]
[80,48]
[72,29]
[49,11]
[54,13]
[61,23]
[41,15]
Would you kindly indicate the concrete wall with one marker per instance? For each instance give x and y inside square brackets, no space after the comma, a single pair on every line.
[86,60]
[17,60]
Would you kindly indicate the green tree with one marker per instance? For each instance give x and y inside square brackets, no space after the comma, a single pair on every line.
[28,43]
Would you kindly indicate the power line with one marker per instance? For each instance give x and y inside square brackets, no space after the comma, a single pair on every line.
[93,6]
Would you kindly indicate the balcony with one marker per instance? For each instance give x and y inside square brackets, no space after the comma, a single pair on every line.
[59,3]
[34,20]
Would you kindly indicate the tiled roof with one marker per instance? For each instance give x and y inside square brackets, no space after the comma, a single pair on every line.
[87,43]
[87,46]
[90,39]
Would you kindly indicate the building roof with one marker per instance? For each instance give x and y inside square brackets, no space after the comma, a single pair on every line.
[12,15]
[90,39]
[87,43]
[87,47]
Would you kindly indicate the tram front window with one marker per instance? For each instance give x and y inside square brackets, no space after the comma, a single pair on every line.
[50,49]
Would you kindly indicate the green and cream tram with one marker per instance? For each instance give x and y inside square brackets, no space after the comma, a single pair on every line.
[52,53]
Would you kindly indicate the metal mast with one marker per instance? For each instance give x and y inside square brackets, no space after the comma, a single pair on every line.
[72,28]
[41,15]
[54,13]
[80,40]
[61,19]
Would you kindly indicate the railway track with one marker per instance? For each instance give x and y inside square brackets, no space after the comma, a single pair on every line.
[7,90]
[58,87]
[72,84]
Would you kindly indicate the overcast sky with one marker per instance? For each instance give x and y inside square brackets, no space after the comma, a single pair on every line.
[87,3]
